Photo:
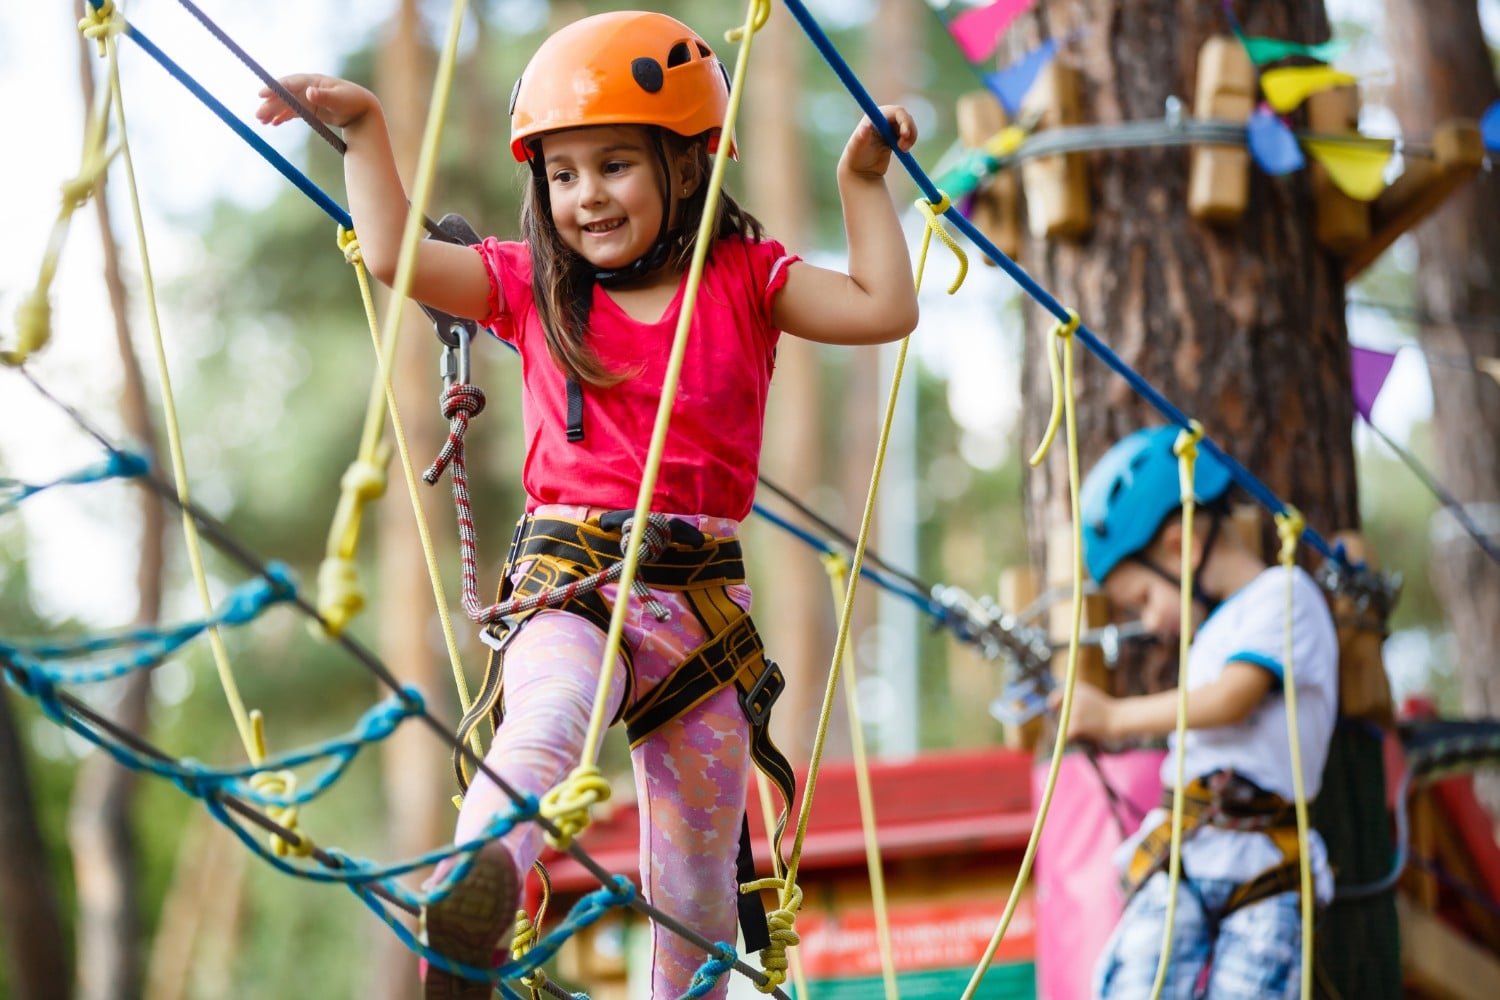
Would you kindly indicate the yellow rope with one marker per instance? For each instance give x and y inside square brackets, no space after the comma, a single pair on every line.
[1289,525]
[771,959]
[340,595]
[278,783]
[838,574]
[169,407]
[528,933]
[776,918]
[1186,448]
[568,804]
[386,342]
[1062,388]
[34,315]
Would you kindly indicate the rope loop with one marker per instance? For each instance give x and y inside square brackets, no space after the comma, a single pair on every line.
[348,242]
[931,212]
[462,400]
[1289,527]
[760,13]
[719,964]
[567,805]
[101,23]
[1062,331]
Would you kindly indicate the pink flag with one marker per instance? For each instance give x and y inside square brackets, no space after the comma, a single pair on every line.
[978,31]
[1368,370]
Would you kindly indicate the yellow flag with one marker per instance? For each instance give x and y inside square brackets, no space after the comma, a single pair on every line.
[1288,87]
[1357,170]
[1005,142]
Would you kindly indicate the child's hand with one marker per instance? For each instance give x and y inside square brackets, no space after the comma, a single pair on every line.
[337,102]
[1090,714]
[866,151]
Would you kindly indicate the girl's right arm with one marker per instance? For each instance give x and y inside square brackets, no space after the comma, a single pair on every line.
[446,276]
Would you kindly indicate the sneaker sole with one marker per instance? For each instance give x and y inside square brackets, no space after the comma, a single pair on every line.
[467,926]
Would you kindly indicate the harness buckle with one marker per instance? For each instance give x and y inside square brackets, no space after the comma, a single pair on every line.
[757,701]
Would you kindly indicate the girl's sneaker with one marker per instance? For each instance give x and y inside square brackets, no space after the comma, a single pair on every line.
[472,924]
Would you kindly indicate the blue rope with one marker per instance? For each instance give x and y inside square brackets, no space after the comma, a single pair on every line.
[281,163]
[119,465]
[862,97]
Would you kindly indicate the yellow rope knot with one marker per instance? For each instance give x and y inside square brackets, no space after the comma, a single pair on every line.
[33,327]
[1289,527]
[1186,450]
[782,923]
[278,783]
[349,246]
[567,805]
[1061,384]
[366,479]
[101,23]
[340,595]
[760,13]
[524,940]
[931,212]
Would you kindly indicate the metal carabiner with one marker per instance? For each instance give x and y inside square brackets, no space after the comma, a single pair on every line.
[454,365]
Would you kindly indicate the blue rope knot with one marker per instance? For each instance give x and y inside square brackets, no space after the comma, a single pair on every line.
[126,465]
[709,974]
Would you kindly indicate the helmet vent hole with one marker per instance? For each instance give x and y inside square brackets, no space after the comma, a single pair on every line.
[679,54]
[648,74]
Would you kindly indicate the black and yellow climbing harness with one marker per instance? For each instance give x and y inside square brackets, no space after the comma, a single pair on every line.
[1229,801]
[563,562]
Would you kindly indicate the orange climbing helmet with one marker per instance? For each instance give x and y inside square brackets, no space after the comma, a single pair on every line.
[626,67]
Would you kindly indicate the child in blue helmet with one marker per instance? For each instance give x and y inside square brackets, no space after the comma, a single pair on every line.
[1237,928]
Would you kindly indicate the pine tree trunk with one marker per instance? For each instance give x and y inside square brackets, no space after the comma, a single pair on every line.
[1444,71]
[792,597]
[31,928]
[415,766]
[106,870]
[1242,326]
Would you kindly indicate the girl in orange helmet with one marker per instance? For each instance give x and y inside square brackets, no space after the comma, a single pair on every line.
[616,117]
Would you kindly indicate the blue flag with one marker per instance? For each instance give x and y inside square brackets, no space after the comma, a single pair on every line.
[1011,83]
[1272,144]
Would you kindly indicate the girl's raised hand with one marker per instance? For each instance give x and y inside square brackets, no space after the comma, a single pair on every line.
[337,102]
[866,151]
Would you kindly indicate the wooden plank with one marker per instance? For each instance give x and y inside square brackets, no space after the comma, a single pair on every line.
[1458,150]
[1440,963]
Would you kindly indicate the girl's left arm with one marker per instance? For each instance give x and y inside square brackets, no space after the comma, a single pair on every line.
[876,301]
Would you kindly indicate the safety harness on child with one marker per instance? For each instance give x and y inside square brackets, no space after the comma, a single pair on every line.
[562,564]
[1229,801]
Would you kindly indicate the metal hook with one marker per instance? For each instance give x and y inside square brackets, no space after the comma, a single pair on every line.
[454,365]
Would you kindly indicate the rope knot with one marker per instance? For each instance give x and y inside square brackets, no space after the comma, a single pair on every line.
[101,23]
[653,543]
[462,401]
[567,805]
[365,479]
[720,963]
[33,326]
[348,243]
[1289,527]
[1186,450]
[282,785]
[760,13]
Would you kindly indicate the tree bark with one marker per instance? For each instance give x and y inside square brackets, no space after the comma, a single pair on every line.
[792,601]
[31,927]
[106,870]
[1242,326]
[1444,71]
[415,766]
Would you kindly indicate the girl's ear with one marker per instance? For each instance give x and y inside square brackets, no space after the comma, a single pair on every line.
[1169,541]
[690,173]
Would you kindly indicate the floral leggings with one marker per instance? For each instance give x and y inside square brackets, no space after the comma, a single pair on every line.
[690,774]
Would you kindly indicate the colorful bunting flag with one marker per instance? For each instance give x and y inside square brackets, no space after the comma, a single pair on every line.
[1368,371]
[1272,144]
[1489,128]
[1011,83]
[978,31]
[1356,169]
[1288,87]
[1269,50]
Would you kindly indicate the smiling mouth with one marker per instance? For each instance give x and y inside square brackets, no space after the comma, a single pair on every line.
[604,227]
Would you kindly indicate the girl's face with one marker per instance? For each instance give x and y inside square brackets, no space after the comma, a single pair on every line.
[605,187]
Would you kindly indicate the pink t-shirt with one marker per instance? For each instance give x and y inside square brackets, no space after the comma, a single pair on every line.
[712,452]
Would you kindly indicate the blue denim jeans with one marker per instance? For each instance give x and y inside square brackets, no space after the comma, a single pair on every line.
[1255,952]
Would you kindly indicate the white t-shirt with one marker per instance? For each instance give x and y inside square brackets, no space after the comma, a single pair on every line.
[1250,627]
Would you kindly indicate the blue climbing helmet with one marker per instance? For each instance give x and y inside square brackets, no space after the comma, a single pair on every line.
[1131,490]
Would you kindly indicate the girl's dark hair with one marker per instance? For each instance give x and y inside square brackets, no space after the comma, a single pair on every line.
[562,281]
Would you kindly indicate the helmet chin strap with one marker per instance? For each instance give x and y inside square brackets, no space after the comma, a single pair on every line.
[654,258]
[1210,603]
